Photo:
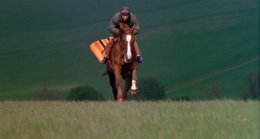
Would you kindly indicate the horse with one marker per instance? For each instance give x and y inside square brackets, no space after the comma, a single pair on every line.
[122,64]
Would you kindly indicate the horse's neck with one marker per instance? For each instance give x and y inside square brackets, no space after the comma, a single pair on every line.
[118,46]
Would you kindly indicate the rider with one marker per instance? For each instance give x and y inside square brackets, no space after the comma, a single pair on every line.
[124,16]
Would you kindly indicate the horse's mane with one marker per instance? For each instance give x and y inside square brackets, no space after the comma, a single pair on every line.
[126,28]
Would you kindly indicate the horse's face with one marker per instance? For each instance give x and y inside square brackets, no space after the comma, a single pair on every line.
[128,44]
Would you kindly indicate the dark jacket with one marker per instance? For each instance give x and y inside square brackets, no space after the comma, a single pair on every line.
[116,19]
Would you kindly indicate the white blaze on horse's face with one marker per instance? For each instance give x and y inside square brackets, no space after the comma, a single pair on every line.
[128,38]
[128,53]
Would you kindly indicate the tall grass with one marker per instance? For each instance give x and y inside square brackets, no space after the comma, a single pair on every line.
[154,120]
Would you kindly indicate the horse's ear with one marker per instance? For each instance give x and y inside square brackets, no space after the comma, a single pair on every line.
[124,26]
[121,27]
[133,28]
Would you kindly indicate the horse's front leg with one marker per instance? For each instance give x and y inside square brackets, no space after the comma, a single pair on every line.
[134,80]
[117,70]
[128,82]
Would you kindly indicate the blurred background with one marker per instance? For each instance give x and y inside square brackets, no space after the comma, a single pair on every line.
[203,49]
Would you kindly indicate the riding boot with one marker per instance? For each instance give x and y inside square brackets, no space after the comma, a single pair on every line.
[139,58]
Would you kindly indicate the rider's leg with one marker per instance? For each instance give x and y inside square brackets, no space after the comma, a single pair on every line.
[107,50]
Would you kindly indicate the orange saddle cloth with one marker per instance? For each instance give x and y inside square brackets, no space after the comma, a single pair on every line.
[98,48]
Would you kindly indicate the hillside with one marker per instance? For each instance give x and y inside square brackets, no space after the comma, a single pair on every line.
[193,48]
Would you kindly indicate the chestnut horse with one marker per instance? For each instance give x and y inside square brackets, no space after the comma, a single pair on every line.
[122,64]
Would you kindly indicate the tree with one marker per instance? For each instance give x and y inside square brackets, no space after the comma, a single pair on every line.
[150,89]
[83,93]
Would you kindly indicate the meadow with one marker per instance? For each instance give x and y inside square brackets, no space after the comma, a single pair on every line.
[216,119]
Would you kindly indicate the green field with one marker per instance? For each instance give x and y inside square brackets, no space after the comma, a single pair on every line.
[218,119]
[190,47]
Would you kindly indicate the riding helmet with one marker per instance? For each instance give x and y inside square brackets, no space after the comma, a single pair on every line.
[125,10]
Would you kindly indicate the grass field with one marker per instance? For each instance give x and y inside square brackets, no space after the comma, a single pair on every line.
[217,119]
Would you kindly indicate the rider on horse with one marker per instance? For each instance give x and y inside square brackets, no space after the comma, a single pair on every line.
[124,16]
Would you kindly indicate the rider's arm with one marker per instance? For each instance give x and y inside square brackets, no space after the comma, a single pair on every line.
[136,23]
[113,25]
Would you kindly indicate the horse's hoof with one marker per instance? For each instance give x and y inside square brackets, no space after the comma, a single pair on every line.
[133,92]
[120,100]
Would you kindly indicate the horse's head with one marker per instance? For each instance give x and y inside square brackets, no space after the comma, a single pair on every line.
[127,42]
